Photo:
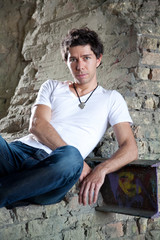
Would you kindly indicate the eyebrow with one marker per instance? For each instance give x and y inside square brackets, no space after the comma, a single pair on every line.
[85,55]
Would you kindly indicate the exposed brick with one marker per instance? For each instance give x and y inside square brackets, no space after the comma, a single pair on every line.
[150,43]
[156,74]
[14,231]
[151,58]
[143,225]
[142,147]
[134,102]
[131,228]
[151,132]
[154,146]
[145,117]
[5,217]
[143,73]
[115,230]
[154,234]
[149,103]
[147,88]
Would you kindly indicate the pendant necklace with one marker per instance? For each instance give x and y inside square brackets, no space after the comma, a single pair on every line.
[82,104]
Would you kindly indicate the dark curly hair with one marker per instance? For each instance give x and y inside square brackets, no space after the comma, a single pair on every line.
[82,36]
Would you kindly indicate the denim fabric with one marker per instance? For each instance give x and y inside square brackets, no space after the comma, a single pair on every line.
[32,174]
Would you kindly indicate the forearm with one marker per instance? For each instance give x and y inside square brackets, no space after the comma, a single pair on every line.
[125,154]
[45,133]
[86,170]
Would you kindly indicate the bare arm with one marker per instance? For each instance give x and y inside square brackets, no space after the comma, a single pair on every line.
[86,170]
[41,128]
[126,153]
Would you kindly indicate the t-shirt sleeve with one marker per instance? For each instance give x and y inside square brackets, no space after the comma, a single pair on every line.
[45,93]
[119,110]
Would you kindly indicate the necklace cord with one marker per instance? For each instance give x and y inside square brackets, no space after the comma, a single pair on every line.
[88,96]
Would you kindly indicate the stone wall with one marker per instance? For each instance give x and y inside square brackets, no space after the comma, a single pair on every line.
[14,17]
[29,54]
[69,221]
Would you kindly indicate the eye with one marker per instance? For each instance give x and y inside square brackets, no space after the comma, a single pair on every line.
[86,58]
[72,60]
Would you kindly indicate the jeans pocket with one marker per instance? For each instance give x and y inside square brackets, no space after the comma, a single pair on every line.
[34,159]
[40,155]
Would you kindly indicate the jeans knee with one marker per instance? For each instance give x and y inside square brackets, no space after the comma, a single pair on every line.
[73,155]
[73,151]
[68,158]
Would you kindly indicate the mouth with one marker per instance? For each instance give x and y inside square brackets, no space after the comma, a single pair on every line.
[82,75]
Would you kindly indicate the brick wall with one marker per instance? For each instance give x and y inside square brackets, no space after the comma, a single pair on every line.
[131,35]
[67,221]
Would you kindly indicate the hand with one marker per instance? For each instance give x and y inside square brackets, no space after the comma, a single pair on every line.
[91,185]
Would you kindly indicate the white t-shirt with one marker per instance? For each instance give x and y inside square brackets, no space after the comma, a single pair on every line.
[81,128]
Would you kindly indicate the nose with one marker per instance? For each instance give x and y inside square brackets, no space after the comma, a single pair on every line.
[80,65]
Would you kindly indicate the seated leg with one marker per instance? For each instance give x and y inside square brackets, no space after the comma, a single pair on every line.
[59,171]
[6,158]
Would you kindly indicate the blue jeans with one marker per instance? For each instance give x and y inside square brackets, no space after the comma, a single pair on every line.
[31,174]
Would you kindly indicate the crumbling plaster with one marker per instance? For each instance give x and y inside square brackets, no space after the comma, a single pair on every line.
[29,53]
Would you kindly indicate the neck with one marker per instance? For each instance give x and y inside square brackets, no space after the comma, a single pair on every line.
[83,89]
[82,104]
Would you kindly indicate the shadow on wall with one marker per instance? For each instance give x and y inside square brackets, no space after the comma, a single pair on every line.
[14,17]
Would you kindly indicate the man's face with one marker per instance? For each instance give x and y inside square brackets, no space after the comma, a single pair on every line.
[82,63]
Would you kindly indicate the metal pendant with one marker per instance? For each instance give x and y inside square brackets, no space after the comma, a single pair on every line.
[82,105]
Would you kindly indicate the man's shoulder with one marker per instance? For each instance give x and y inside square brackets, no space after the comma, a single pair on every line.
[53,82]
[110,96]
[109,92]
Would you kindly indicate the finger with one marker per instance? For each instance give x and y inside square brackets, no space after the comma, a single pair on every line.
[96,191]
[85,193]
[81,192]
[91,193]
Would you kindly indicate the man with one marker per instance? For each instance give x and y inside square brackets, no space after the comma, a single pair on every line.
[68,120]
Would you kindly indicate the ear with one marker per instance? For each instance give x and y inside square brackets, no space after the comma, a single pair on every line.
[99,60]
